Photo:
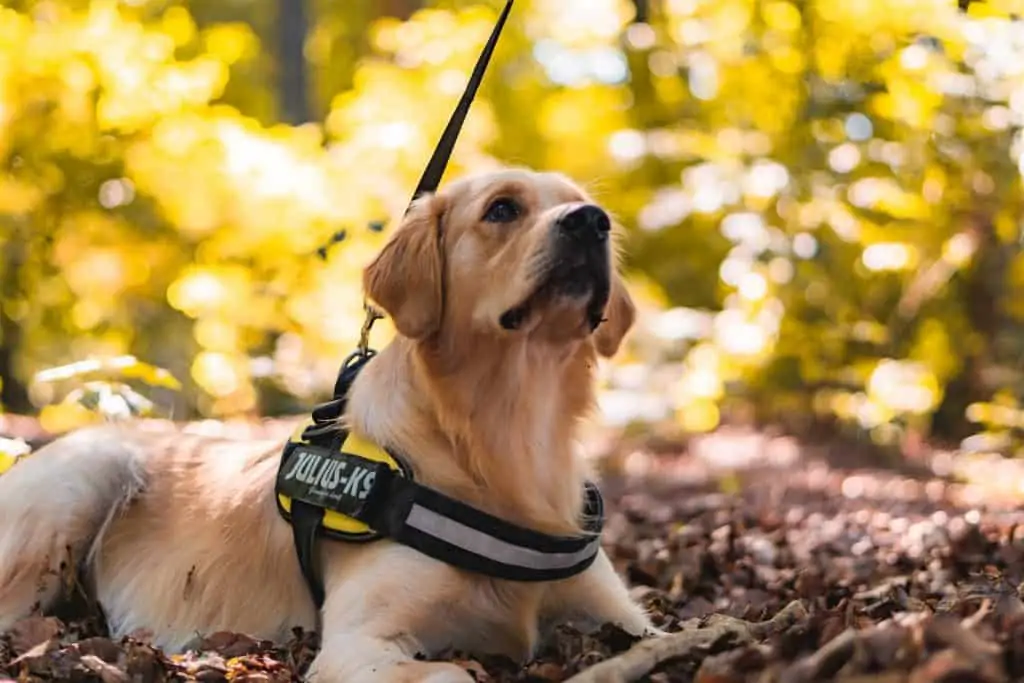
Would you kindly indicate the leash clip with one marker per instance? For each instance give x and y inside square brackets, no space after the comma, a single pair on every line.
[358,358]
[373,314]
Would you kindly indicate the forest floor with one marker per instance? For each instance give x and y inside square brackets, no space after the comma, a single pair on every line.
[767,560]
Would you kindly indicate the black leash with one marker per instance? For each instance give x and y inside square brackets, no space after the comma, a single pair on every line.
[439,160]
[431,178]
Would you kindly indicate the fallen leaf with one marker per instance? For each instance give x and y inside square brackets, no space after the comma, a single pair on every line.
[32,631]
[107,672]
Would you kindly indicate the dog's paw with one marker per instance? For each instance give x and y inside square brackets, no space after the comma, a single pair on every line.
[395,672]
[433,672]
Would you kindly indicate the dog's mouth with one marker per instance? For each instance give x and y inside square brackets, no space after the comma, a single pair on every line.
[576,279]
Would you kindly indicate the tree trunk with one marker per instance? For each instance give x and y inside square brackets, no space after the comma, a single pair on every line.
[13,392]
[643,11]
[982,292]
[400,9]
[293,93]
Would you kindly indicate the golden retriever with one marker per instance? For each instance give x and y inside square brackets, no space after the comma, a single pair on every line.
[503,290]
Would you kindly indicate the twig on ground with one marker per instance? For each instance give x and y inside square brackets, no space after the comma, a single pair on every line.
[648,654]
[983,611]
[984,655]
[824,663]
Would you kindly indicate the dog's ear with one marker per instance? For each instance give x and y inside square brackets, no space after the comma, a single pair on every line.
[619,315]
[405,278]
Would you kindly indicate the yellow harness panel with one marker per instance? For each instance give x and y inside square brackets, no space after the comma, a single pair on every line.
[334,521]
[7,461]
[11,451]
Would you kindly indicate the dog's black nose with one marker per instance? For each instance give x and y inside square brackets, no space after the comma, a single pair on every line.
[587,223]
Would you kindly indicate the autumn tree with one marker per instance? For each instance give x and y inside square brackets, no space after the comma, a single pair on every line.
[821,199]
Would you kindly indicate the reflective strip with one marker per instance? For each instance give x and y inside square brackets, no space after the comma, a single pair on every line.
[477,542]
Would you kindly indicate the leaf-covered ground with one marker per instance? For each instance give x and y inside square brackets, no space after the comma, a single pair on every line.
[766,562]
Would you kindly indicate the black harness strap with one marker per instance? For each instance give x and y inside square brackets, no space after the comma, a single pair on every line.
[476,541]
[306,520]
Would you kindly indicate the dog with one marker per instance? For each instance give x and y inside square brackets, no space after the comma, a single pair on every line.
[503,289]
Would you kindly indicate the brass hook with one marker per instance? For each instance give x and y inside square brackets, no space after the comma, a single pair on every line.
[373,314]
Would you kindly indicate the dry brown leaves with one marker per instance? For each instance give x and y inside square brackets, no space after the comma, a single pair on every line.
[794,575]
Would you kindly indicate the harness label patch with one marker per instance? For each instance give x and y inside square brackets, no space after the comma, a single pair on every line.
[334,480]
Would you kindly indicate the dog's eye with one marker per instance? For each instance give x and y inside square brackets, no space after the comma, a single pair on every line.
[502,210]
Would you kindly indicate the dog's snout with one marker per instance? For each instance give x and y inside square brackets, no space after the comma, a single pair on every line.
[587,223]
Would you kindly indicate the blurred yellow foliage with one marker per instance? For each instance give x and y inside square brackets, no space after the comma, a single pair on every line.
[826,194]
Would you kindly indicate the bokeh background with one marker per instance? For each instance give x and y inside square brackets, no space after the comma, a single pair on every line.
[822,198]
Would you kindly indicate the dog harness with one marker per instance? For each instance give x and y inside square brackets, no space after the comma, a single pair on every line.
[332,482]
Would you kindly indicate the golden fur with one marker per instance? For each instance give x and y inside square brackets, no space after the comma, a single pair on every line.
[181,535]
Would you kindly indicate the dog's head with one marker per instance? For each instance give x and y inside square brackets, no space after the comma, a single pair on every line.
[513,255]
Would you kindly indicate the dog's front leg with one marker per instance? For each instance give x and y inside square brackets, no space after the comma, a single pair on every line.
[595,597]
[386,604]
[358,658]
